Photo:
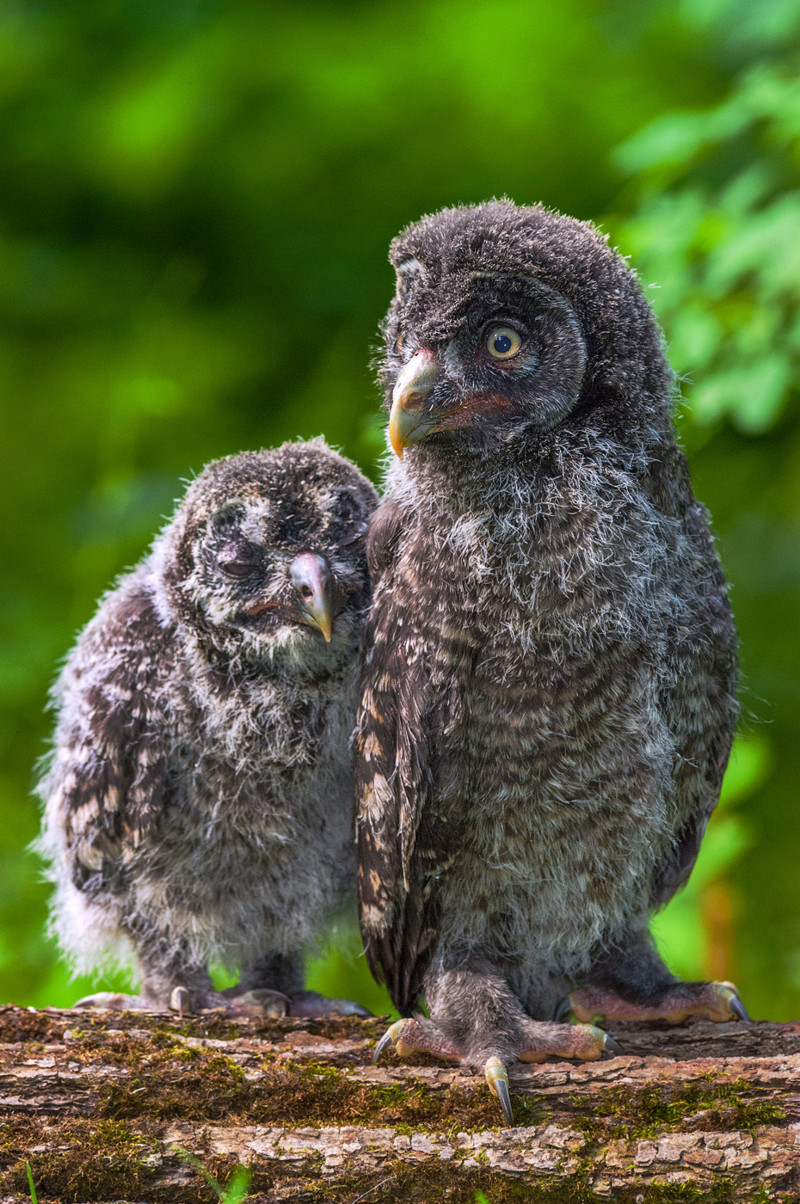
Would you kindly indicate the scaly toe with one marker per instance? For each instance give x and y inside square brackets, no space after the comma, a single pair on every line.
[497,1078]
[260,1004]
[592,1042]
[113,1001]
[542,1039]
[417,1034]
[311,1003]
[717,1001]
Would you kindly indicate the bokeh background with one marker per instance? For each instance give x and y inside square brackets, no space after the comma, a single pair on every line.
[195,208]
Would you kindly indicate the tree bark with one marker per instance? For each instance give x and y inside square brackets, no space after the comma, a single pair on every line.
[105,1105]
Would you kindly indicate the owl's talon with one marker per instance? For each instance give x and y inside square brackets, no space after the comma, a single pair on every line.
[737,1007]
[610,1046]
[730,996]
[563,1012]
[390,1037]
[311,1003]
[497,1078]
[180,1001]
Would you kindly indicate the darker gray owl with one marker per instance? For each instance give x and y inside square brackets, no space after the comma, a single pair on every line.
[549,693]
[199,796]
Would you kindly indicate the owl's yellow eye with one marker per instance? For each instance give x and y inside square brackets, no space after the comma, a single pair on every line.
[503,342]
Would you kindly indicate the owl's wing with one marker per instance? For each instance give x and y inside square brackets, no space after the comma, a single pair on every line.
[402,841]
[698,701]
[107,781]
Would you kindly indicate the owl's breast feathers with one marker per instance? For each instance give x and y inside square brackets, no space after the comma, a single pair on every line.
[527,679]
[149,727]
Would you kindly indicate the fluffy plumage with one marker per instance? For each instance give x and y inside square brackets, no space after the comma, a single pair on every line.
[548,698]
[199,794]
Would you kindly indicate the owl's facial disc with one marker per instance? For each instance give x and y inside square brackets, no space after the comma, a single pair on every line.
[255,581]
[311,598]
[492,358]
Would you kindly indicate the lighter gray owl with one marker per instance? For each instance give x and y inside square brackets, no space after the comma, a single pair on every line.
[198,801]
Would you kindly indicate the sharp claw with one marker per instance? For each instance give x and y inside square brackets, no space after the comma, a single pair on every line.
[497,1078]
[738,1008]
[612,1047]
[731,996]
[563,1012]
[390,1037]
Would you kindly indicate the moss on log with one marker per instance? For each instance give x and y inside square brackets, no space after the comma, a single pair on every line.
[103,1105]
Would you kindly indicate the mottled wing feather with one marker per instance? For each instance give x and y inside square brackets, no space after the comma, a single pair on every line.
[108,781]
[699,699]
[400,841]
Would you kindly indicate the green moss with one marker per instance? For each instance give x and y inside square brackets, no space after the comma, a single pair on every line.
[207,1088]
[85,1161]
[438,1182]
[707,1103]
[169,1079]
[213,1087]
[19,1024]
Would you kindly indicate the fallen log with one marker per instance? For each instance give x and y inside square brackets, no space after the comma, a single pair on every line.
[109,1106]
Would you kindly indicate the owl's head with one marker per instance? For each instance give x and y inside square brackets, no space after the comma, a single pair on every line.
[266,554]
[509,322]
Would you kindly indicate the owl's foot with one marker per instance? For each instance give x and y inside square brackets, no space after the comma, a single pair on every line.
[538,1041]
[542,1040]
[115,1002]
[264,1002]
[311,1003]
[179,999]
[417,1035]
[259,1004]
[705,1000]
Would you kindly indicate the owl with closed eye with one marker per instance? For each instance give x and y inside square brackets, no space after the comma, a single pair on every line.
[199,796]
[549,690]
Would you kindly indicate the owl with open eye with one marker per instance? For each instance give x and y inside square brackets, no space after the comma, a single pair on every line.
[199,797]
[549,689]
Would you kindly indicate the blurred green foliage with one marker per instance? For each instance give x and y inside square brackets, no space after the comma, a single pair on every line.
[197,200]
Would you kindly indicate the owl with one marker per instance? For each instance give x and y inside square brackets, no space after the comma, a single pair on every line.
[199,796]
[549,687]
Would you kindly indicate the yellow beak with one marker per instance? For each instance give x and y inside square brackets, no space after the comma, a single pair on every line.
[409,422]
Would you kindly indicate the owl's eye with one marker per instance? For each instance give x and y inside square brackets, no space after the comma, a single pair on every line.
[503,342]
[399,343]
[237,560]
[238,568]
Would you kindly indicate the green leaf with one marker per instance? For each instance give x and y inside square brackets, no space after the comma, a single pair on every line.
[31,1184]
[238,1184]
